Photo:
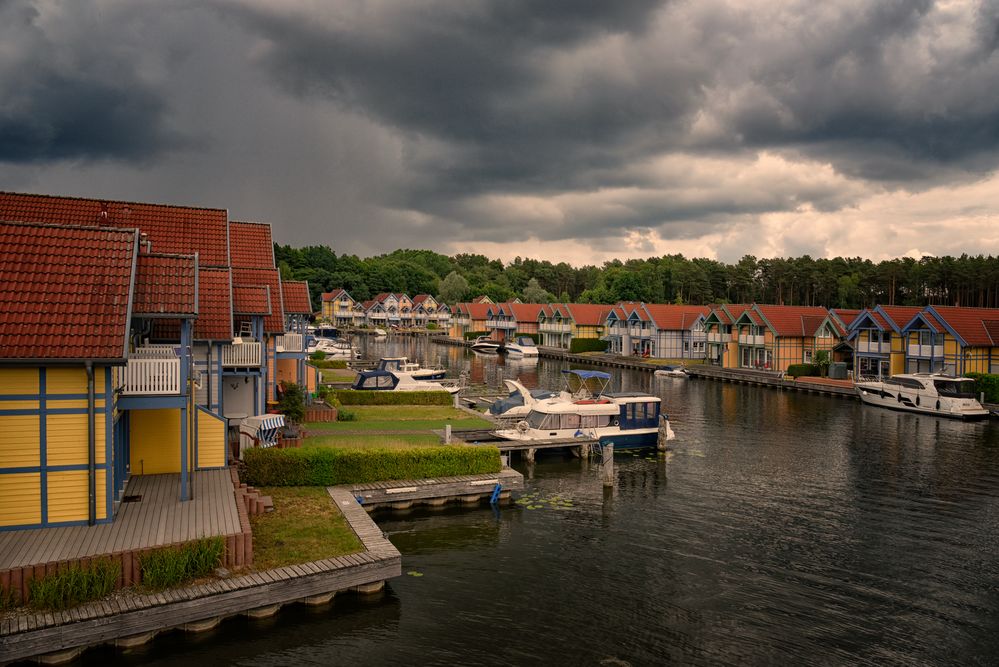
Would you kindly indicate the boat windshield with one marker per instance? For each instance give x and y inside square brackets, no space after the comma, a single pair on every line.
[526,342]
[541,420]
[955,388]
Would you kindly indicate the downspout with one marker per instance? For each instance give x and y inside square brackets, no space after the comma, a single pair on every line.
[91,447]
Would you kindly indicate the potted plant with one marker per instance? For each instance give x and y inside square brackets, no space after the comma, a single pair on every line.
[292,406]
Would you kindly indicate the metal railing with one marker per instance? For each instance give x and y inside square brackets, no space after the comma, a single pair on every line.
[917,350]
[151,377]
[501,324]
[244,355]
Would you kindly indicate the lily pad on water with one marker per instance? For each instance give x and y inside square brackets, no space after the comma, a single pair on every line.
[414,573]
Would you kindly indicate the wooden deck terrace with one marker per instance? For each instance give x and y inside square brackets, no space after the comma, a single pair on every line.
[156,518]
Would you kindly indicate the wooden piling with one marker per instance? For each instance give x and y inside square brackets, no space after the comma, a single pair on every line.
[607,465]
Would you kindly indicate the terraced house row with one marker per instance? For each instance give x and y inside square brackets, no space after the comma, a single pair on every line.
[130,335]
[385,310]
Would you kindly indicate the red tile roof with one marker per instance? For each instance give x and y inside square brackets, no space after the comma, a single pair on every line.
[250,245]
[970,323]
[273,323]
[295,295]
[587,314]
[793,321]
[672,317]
[251,300]
[420,298]
[170,229]
[369,304]
[898,316]
[524,312]
[846,315]
[477,311]
[64,291]
[335,294]
[214,321]
[166,286]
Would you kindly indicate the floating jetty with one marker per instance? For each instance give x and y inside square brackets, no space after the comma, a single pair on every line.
[464,489]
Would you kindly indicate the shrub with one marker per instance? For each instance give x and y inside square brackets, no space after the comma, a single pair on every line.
[985,382]
[346,416]
[329,364]
[326,466]
[802,370]
[318,355]
[75,585]
[578,345]
[362,397]
[292,403]
[432,326]
[171,566]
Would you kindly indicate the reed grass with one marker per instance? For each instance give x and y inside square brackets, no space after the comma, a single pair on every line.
[74,585]
[173,566]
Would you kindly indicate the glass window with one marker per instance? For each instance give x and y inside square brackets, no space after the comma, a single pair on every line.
[569,421]
[965,389]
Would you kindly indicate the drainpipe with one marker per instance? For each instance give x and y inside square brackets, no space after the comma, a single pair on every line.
[91,448]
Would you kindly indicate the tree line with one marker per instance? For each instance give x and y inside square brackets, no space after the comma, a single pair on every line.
[840,282]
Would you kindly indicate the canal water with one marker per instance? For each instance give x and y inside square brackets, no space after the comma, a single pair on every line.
[784,528]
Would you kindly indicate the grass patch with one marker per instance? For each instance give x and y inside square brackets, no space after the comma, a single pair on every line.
[305,526]
[388,441]
[367,397]
[338,376]
[402,418]
[173,566]
[75,585]
[328,363]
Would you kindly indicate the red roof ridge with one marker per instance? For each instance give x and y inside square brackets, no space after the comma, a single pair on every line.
[108,200]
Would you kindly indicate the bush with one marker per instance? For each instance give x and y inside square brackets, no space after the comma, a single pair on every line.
[346,416]
[329,364]
[75,585]
[432,326]
[326,466]
[984,382]
[292,403]
[172,566]
[803,370]
[578,345]
[318,355]
[533,336]
[362,397]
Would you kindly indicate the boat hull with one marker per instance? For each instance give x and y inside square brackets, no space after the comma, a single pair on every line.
[882,399]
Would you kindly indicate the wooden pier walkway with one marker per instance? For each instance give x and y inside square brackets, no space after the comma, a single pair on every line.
[464,488]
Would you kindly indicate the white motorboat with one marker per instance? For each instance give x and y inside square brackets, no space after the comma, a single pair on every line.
[335,348]
[518,404]
[411,368]
[629,420]
[925,393]
[485,344]
[522,346]
[671,372]
[380,333]
[386,381]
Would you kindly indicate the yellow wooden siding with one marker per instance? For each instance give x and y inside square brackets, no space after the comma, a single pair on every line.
[19,448]
[155,441]
[72,380]
[66,439]
[19,381]
[22,499]
[68,495]
[211,441]
[75,404]
[19,405]
[287,371]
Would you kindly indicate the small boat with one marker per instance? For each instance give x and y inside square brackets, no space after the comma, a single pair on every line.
[335,348]
[386,381]
[380,333]
[485,344]
[671,372]
[413,369]
[518,404]
[629,420]
[925,393]
[522,346]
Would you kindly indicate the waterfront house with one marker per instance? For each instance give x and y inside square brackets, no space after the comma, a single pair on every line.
[775,337]
[481,299]
[426,310]
[291,346]
[629,330]
[878,343]
[677,331]
[505,321]
[375,314]
[469,318]
[338,308]
[721,346]
[560,323]
[953,339]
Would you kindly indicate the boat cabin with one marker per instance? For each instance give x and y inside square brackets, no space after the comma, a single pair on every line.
[377,379]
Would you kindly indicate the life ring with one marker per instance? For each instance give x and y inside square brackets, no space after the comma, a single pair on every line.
[523,426]
[614,422]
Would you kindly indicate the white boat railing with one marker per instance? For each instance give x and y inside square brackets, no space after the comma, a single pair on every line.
[151,377]
[290,342]
[243,355]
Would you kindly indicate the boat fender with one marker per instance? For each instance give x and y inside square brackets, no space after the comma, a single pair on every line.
[938,404]
[900,398]
[917,400]
[523,426]
[614,422]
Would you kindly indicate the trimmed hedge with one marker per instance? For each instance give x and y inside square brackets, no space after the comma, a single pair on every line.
[985,382]
[578,345]
[367,397]
[328,364]
[803,370]
[328,466]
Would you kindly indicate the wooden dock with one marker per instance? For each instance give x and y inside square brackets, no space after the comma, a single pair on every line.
[132,620]
[812,385]
[403,494]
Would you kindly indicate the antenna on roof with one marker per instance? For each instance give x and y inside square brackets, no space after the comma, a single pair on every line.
[104,214]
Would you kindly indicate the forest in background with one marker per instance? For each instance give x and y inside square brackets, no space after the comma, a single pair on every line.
[840,282]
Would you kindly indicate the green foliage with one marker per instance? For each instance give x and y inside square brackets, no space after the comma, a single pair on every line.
[173,566]
[984,382]
[318,355]
[345,415]
[453,288]
[362,397]
[7,600]
[326,466]
[803,370]
[432,326]
[292,403]
[329,364]
[75,585]
[577,345]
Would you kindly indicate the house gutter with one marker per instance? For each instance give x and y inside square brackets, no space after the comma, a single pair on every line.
[91,447]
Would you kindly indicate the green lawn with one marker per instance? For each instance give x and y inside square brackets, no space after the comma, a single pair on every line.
[338,375]
[387,441]
[305,526]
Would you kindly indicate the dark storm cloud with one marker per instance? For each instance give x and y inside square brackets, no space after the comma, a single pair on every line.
[76,95]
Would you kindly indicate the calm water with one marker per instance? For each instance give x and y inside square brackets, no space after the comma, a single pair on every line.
[783,529]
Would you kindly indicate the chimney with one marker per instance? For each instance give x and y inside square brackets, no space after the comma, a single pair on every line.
[145,243]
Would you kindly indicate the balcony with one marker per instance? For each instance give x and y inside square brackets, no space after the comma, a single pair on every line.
[719,337]
[638,332]
[151,376]
[750,339]
[290,342]
[877,348]
[376,316]
[501,324]
[242,355]
[918,350]
[556,327]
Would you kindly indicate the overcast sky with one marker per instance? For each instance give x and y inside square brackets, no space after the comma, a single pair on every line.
[576,130]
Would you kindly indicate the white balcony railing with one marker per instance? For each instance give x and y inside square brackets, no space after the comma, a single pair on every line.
[290,342]
[637,332]
[501,324]
[244,355]
[556,327]
[878,347]
[151,377]
[719,337]
[749,339]
[918,350]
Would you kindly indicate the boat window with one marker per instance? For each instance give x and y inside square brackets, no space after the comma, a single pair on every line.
[594,421]
[962,389]
[570,421]
[539,420]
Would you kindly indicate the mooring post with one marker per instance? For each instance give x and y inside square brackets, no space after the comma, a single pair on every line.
[529,454]
[607,464]
[447,434]
[454,397]
[663,436]
[584,450]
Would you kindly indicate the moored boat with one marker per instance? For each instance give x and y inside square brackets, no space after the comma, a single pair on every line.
[485,344]
[385,381]
[925,393]
[413,369]
[671,372]
[522,346]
